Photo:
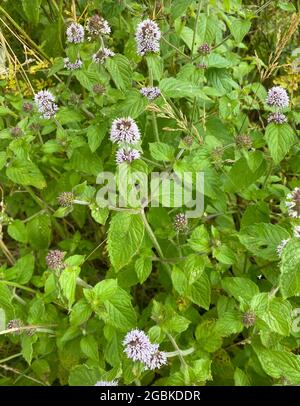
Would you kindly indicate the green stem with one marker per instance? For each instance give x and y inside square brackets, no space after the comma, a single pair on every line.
[178,350]
[182,352]
[17,285]
[195,27]
[151,234]
[10,357]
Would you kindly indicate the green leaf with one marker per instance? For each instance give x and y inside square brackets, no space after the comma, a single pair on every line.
[95,134]
[238,28]
[155,66]
[25,173]
[67,282]
[199,291]
[240,288]
[82,375]
[17,230]
[289,281]
[125,236]
[120,71]
[279,364]
[27,348]
[89,347]
[179,6]
[143,268]
[80,312]
[262,239]
[3,159]
[134,105]
[280,138]
[161,151]
[240,378]
[39,231]
[176,89]
[22,271]
[199,240]
[274,311]
[118,311]
[32,10]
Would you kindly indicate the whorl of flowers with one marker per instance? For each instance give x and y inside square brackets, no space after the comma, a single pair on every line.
[75,33]
[243,141]
[147,37]
[277,118]
[106,383]
[157,358]
[72,65]
[277,97]
[150,92]
[180,222]
[126,130]
[97,25]
[249,318]
[281,247]
[102,54]
[45,103]
[54,260]
[297,231]
[139,348]
[127,155]
[204,49]
[65,199]
[293,203]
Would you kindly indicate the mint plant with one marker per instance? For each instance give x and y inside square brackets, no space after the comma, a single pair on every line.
[149,193]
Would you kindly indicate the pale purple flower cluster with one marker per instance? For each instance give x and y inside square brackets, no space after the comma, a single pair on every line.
[125,130]
[102,54]
[147,37]
[281,247]
[139,348]
[277,118]
[55,260]
[72,65]
[127,155]
[157,358]
[150,92]
[106,383]
[293,203]
[97,25]
[75,33]
[45,103]
[277,97]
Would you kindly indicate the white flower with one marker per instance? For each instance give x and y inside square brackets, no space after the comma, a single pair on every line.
[126,130]
[147,37]
[75,33]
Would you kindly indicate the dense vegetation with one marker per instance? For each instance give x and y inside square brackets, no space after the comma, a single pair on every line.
[146,295]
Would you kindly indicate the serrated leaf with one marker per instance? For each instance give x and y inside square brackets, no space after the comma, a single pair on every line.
[120,70]
[161,151]
[95,135]
[143,268]
[280,138]
[289,281]
[262,239]
[274,311]
[39,231]
[240,288]
[125,236]
[176,89]
[279,364]
[25,173]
